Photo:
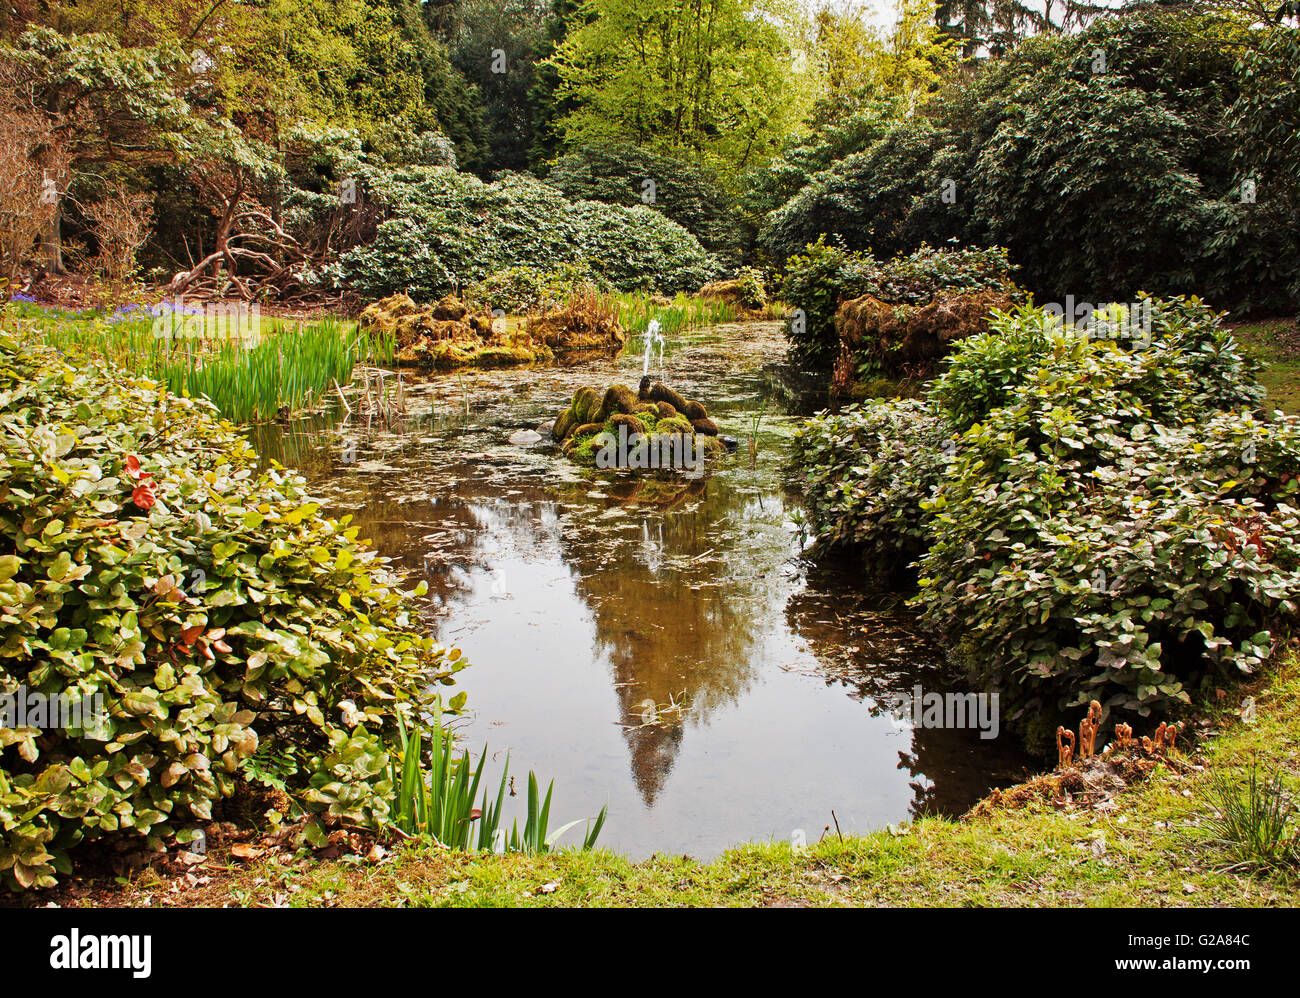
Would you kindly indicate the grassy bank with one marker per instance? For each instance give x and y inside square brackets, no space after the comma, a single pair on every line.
[1276,344]
[1146,846]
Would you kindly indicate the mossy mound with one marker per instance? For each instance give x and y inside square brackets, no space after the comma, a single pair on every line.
[448,334]
[646,419]
[745,292]
[896,340]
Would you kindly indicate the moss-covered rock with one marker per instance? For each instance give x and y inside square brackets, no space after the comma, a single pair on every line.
[586,403]
[448,334]
[450,308]
[633,424]
[651,424]
[694,410]
[564,422]
[618,398]
[659,392]
[674,424]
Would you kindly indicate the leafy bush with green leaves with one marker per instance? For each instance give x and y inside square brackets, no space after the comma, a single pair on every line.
[689,193]
[752,289]
[234,633]
[527,291]
[815,283]
[821,278]
[1083,551]
[1188,363]
[1116,521]
[443,231]
[870,467]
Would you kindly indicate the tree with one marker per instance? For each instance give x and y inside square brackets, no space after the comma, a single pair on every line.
[495,45]
[456,103]
[861,68]
[548,107]
[106,104]
[33,169]
[232,175]
[714,79]
[993,27]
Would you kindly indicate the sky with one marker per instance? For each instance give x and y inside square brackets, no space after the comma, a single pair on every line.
[882,12]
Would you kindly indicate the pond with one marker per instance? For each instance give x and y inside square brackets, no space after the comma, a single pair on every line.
[659,645]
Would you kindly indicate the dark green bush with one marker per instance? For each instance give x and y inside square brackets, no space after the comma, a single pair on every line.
[443,231]
[1083,551]
[234,633]
[885,200]
[1100,182]
[688,193]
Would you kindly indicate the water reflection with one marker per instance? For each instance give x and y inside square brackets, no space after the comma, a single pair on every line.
[657,644]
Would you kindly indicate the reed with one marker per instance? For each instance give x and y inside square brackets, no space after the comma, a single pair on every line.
[1256,819]
[438,800]
[285,368]
[635,312]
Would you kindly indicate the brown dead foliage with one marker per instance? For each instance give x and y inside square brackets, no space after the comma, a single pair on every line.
[588,323]
[1090,781]
[737,293]
[908,340]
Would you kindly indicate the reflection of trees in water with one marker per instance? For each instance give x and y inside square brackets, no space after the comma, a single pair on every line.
[679,600]
[682,583]
[878,656]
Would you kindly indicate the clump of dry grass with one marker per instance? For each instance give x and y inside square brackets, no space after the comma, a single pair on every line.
[899,340]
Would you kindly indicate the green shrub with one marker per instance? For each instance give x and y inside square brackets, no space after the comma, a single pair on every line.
[1115,521]
[753,292]
[869,467]
[234,633]
[887,199]
[1185,363]
[443,231]
[1083,551]
[821,278]
[688,193]
[815,283]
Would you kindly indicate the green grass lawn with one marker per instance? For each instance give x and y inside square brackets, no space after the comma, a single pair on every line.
[1276,344]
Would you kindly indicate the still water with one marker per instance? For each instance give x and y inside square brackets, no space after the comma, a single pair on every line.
[663,646]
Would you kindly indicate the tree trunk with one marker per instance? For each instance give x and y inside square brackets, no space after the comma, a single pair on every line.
[52,244]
